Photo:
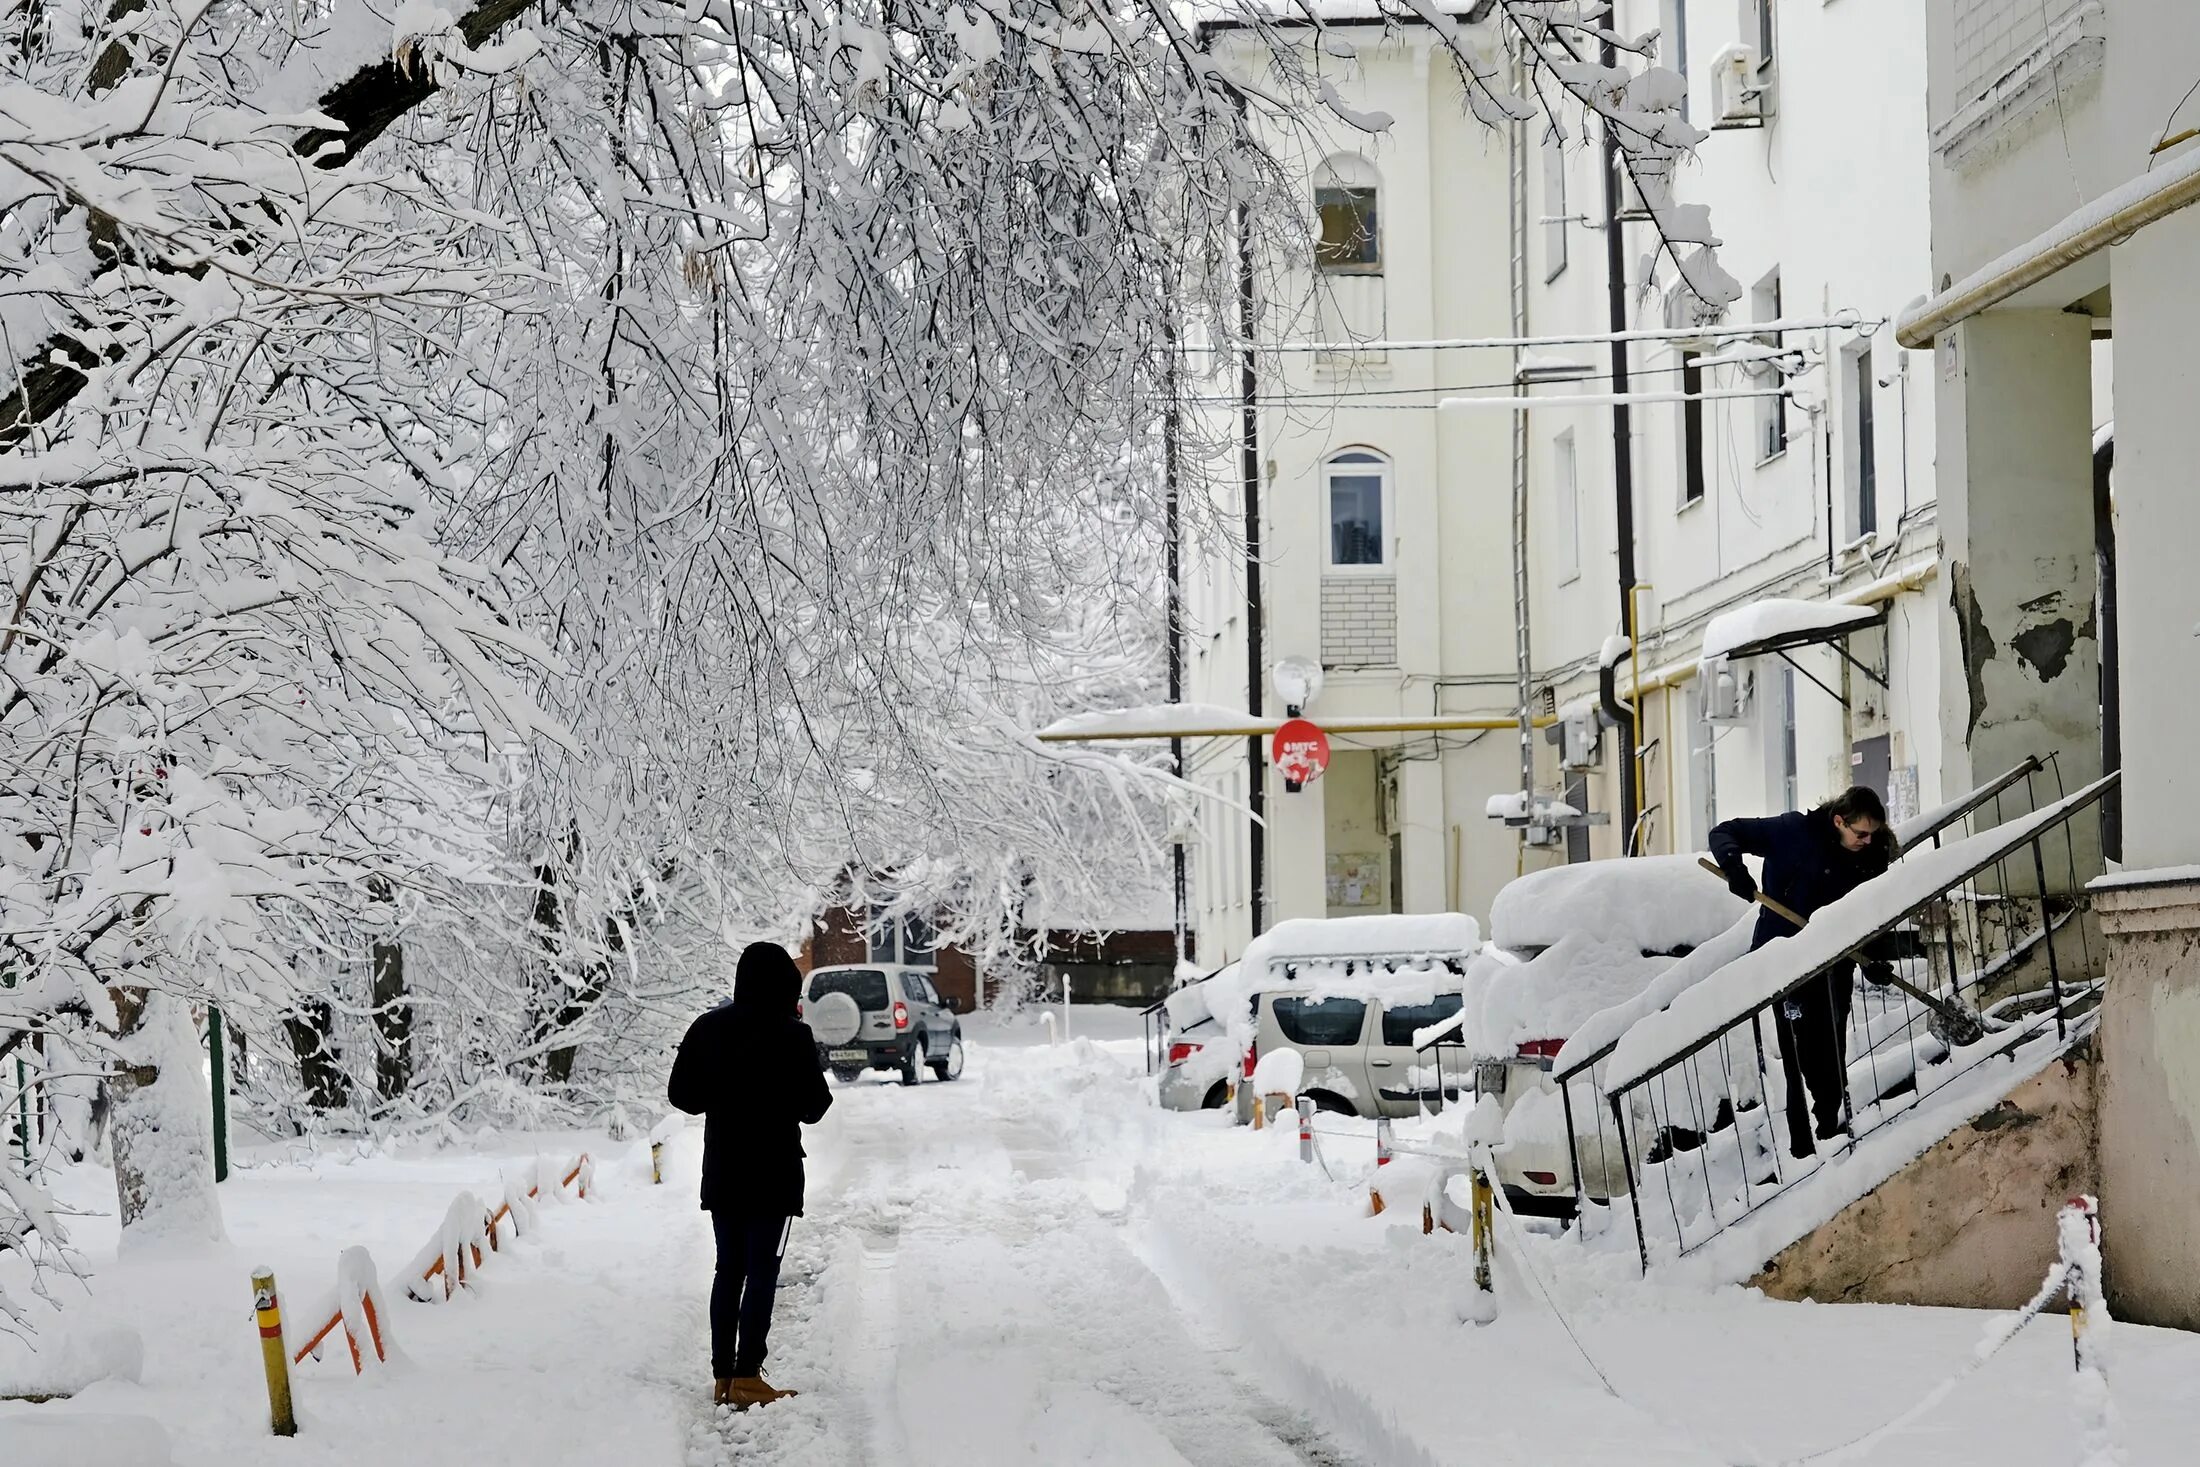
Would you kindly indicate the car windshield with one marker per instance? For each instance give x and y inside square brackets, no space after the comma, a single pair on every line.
[1320,1020]
[867,986]
[1401,1020]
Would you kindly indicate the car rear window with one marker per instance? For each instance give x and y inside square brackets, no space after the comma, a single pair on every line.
[1320,1021]
[1401,1020]
[867,986]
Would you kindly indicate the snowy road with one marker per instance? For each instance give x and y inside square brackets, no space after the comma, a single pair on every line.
[970,1293]
[1033,1265]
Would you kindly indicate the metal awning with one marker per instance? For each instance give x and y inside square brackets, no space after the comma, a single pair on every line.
[1777,627]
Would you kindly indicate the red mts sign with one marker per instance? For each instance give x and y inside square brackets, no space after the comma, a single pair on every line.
[1301,752]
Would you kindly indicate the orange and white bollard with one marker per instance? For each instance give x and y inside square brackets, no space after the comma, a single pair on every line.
[1382,1159]
[1306,1130]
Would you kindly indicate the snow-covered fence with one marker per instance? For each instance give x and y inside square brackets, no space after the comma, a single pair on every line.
[452,1255]
[356,1307]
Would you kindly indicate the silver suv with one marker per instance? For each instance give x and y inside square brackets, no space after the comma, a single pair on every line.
[870,1016]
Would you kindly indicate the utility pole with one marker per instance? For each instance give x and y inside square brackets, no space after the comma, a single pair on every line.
[1248,391]
[1623,442]
[1172,510]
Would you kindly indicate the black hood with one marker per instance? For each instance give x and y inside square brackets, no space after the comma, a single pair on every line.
[766,985]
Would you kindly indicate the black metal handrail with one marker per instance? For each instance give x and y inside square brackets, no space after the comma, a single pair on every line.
[1903,1049]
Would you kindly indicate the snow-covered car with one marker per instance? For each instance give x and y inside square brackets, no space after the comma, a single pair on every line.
[870,1016]
[1348,993]
[1200,1058]
[1570,945]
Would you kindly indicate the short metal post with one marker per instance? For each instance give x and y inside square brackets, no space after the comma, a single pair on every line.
[657,1162]
[1306,1130]
[1382,1159]
[270,1314]
[1634,1197]
[1573,1148]
[1484,1226]
[2047,930]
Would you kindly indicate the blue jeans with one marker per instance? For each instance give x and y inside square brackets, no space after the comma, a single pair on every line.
[749,1249]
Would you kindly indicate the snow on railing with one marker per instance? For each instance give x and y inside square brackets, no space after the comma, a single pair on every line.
[452,1255]
[1689,1097]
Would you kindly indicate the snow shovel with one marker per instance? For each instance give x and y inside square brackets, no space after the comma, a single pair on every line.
[1959,1025]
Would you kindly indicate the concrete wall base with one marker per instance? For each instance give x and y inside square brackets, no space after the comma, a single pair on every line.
[1971,1223]
[2150,1101]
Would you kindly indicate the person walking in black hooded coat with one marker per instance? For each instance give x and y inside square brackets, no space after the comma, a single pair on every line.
[749,1067]
[1812,858]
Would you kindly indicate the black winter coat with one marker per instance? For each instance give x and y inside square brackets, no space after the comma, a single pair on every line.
[1805,866]
[749,1067]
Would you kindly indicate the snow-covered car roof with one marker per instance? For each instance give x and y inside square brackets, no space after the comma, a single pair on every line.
[1437,935]
[1655,904]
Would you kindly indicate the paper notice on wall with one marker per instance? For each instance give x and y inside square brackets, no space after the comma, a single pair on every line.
[1902,793]
[1355,879]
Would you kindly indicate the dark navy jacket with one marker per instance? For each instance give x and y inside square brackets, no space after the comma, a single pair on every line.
[1805,866]
[749,1067]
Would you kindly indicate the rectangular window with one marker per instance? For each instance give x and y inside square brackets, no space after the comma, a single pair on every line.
[1567,531]
[1674,53]
[1554,208]
[1355,518]
[1349,241]
[1789,769]
[918,941]
[1758,29]
[1771,411]
[880,936]
[1866,453]
[1703,761]
[1692,445]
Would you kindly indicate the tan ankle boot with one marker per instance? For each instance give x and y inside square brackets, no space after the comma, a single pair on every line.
[754,1390]
[721,1391]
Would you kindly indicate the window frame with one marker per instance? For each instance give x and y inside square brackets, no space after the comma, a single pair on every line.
[1330,181]
[1356,461]
[1695,448]
[1862,424]
[1771,412]
[1554,208]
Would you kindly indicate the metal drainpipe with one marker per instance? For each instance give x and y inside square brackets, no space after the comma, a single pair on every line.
[2109,640]
[1249,390]
[1623,457]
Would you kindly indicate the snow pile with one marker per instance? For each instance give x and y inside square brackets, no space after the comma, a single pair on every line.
[48,1439]
[68,1360]
[1755,979]
[1156,720]
[1605,1027]
[1438,935]
[1656,903]
[1509,1003]
[1281,1071]
[1778,617]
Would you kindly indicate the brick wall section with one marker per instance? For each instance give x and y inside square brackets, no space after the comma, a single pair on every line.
[1992,35]
[1359,621]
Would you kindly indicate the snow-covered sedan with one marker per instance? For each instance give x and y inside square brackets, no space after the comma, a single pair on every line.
[1567,945]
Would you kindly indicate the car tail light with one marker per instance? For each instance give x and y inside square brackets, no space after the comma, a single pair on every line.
[1542,1179]
[1542,1049]
[1182,1050]
[798,1008]
[901,1015]
[1251,1059]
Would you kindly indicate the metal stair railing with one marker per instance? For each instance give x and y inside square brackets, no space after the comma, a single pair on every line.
[1691,1124]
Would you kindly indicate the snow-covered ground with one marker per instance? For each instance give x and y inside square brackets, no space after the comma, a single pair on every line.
[1033,1265]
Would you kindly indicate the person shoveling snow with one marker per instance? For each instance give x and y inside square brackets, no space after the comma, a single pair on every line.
[1811,859]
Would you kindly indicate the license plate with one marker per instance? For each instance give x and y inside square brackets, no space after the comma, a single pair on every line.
[847,1056]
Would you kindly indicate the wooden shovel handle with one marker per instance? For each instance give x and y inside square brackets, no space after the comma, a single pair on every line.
[1778,909]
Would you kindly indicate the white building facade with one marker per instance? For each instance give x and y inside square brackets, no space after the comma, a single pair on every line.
[1387,530]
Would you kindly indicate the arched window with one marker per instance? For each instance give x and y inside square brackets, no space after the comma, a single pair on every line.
[1350,241]
[1356,493]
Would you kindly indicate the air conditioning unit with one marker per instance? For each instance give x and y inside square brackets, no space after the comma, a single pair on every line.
[1580,741]
[1725,694]
[1738,88]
